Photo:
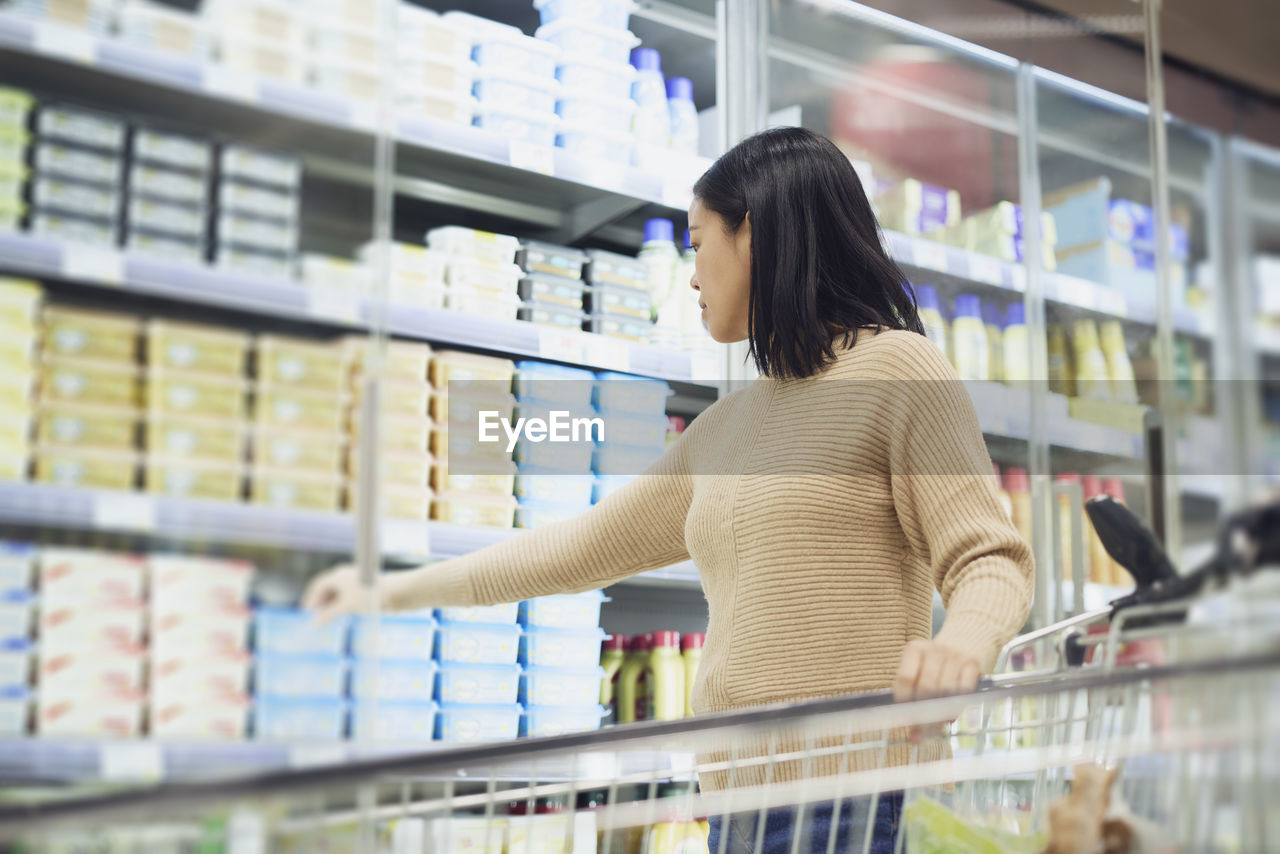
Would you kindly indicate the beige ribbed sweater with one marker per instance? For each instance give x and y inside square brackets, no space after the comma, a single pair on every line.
[820,514]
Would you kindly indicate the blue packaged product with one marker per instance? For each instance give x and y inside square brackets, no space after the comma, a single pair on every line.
[561,647]
[295,719]
[477,723]
[283,675]
[498,615]
[15,663]
[608,13]
[17,563]
[634,429]
[563,611]
[547,487]
[399,681]
[606,485]
[547,721]
[15,703]
[16,611]
[559,457]
[478,683]
[615,391]
[553,384]
[292,631]
[406,638]
[382,721]
[558,686]
[475,643]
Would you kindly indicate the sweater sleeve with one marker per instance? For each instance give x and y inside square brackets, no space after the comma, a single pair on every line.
[637,528]
[948,506]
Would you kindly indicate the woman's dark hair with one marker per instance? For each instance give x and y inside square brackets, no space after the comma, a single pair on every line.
[817,264]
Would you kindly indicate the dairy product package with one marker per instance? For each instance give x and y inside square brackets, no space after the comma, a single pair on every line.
[75,197]
[546,721]
[299,675]
[517,123]
[17,612]
[169,247]
[261,167]
[292,719]
[394,722]
[158,27]
[116,716]
[303,449]
[253,233]
[548,290]
[620,326]
[196,394]
[410,637]
[302,362]
[263,59]
[224,718]
[176,580]
[331,271]
[17,565]
[485,483]
[90,624]
[168,149]
[184,478]
[504,614]
[411,470]
[295,490]
[424,74]
[90,334]
[162,182]
[565,611]
[578,648]
[612,268]
[472,723]
[457,371]
[81,127]
[256,201]
[193,347]
[298,408]
[87,468]
[463,509]
[67,161]
[174,218]
[253,262]
[74,229]
[473,243]
[201,438]
[412,681]
[74,576]
[548,686]
[915,207]
[198,673]
[217,627]
[476,643]
[560,316]
[87,426]
[478,683]
[86,672]
[289,630]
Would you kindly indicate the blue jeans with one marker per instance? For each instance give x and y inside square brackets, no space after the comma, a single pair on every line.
[814,828]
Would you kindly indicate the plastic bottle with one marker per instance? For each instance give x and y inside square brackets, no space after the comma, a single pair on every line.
[969,340]
[935,325]
[1119,366]
[1114,487]
[691,651]
[664,676]
[684,115]
[1018,485]
[1062,379]
[1017,356]
[1099,560]
[995,342]
[659,256]
[1091,366]
[651,124]
[632,687]
[1064,524]
[612,655]
[691,332]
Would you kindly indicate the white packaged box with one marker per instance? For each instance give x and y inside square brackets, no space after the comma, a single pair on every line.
[330,271]
[164,183]
[502,87]
[90,624]
[157,27]
[423,74]
[17,566]
[16,610]
[73,197]
[187,221]
[85,575]
[90,717]
[178,580]
[263,59]
[587,38]
[470,242]
[342,44]
[51,158]
[15,664]
[74,229]
[169,149]
[210,627]
[221,719]
[254,233]
[80,674]
[468,275]
[196,675]
[271,21]
[82,127]
[263,167]
[353,82]
[517,123]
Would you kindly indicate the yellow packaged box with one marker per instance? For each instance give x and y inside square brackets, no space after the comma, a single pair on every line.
[86,467]
[298,449]
[84,381]
[17,391]
[295,490]
[463,369]
[490,511]
[401,360]
[398,501]
[404,469]
[14,464]
[110,427]
[473,483]
[298,408]
[300,362]
[203,395]
[397,434]
[202,438]
[183,478]
[91,334]
[19,303]
[403,399]
[466,445]
[15,430]
[465,408]
[19,350]
[193,347]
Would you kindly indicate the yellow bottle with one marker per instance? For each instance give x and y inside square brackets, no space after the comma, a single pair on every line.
[995,342]
[632,687]
[676,837]
[1064,525]
[1092,379]
[1017,485]
[1061,378]
[1119,366]
[935,325]
[1016,361]
[664,679]
[612,656]
[969,340]
[691,651]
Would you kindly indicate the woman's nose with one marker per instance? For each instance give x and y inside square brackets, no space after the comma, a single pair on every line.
[693,282]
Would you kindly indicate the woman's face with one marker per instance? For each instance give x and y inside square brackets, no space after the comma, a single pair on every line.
[722,273]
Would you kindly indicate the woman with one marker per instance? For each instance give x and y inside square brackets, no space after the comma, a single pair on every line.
[821,505]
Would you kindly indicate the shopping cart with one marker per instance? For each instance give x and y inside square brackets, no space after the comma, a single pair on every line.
[1173,694]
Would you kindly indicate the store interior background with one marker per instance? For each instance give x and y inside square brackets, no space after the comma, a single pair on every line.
[996,101]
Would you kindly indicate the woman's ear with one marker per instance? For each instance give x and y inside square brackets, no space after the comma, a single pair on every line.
[743,237]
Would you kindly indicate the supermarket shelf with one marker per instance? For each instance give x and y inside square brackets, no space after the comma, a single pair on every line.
[76,48]
[134,762]
[923,254]
[42,258]
[1005,412]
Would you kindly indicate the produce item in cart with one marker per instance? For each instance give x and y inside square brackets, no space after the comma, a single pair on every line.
[932,828]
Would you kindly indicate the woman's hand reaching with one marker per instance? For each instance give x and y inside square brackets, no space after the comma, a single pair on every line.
[338,592]
[931,669]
